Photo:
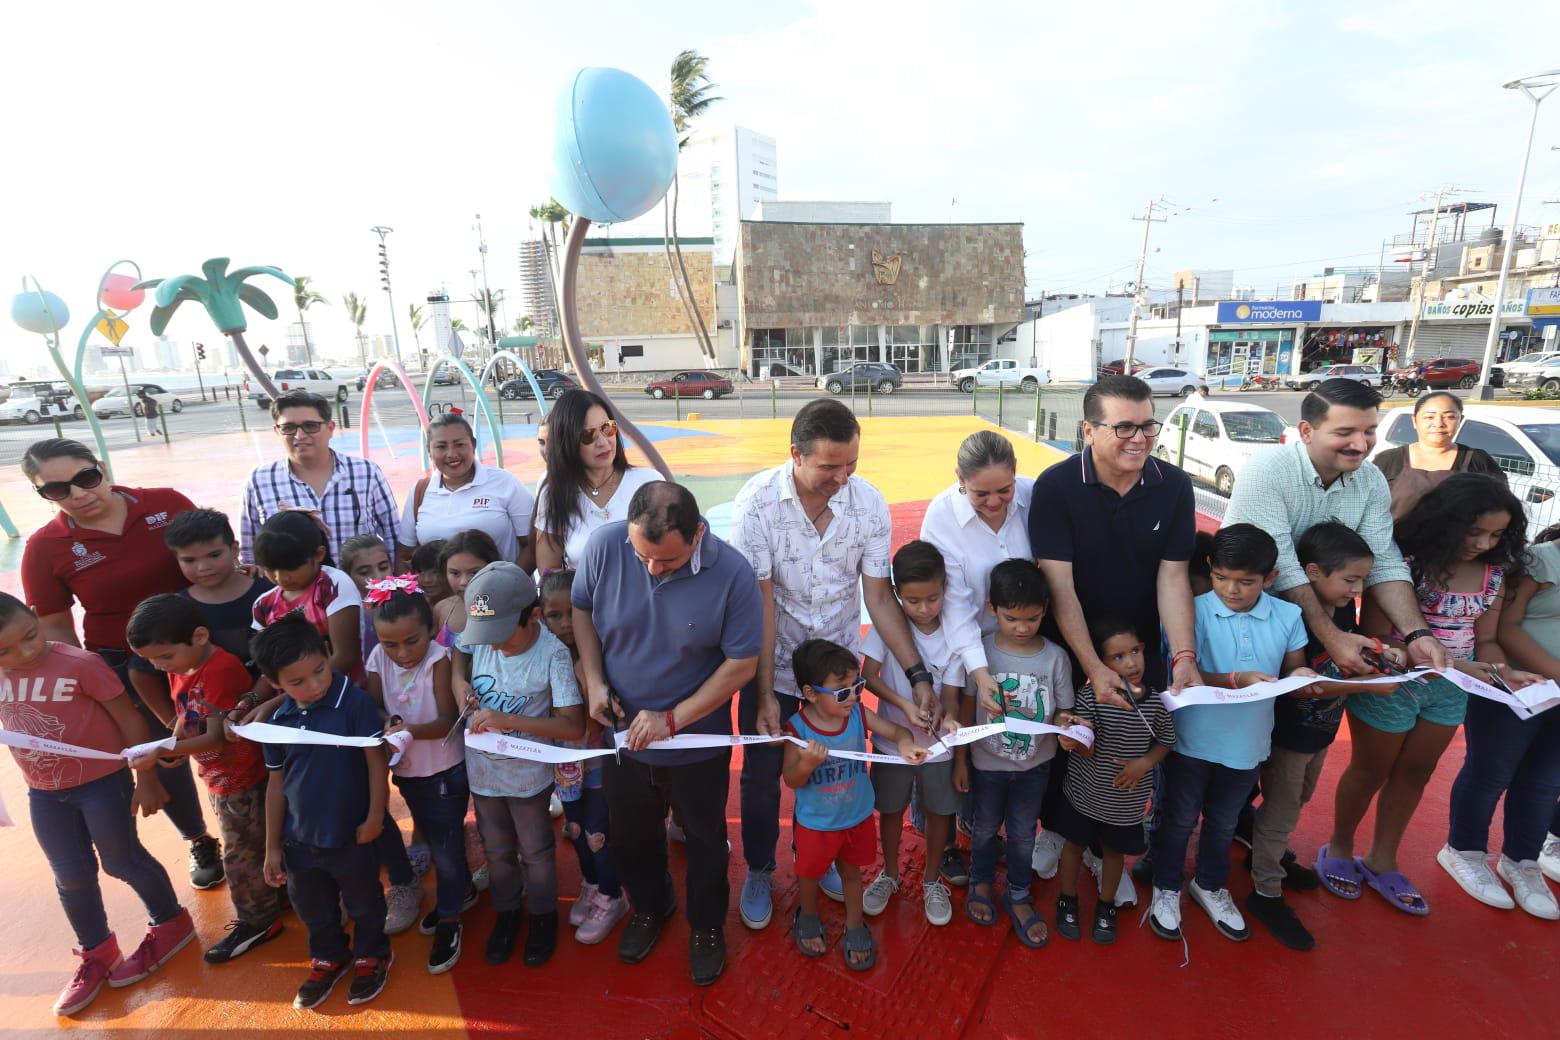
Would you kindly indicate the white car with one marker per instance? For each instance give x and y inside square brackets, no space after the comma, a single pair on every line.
[314,380]
[1173,382]
[1526,363]
[1001,372]
[1221,437]
[31,409]
[115,402]
[1524,441]
[1367,374]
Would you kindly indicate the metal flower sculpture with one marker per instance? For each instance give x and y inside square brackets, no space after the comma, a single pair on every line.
[222,293]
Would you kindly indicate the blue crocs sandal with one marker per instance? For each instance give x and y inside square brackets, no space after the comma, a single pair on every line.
[804,927]
[859,940]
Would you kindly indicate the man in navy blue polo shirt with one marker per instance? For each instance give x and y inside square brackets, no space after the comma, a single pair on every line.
[324,808]
[669,625]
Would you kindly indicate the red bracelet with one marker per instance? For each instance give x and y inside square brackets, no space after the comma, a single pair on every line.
[671,724]
[1175,658]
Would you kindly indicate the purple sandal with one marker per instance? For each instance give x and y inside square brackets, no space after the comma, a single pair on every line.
[1336,871]
[1396,889]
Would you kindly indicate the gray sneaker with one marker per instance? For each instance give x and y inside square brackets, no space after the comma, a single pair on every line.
[939,907]
[875,899]
[403,905]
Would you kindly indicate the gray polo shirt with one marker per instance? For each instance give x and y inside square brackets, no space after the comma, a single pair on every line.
[661,638]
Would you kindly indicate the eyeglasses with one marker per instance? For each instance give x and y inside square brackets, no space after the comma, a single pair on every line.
[292,429]
[59,490]
[1126,431]
[608,429]
[841,696]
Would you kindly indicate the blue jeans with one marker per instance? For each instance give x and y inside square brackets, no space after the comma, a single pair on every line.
[438,804]
[1197,789]
[1009,800]
[1517,757]
[320,881]
[589,812]
[183,809]
[391,846]
[70,825]
[760,783]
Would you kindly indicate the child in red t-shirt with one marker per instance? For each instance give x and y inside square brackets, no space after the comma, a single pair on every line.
[207,682]
[83,809]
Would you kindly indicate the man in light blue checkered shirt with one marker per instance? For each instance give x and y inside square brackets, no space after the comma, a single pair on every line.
[1324,476]
[349,493]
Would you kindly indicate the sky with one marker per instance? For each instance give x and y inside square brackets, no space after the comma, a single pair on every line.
[1289,136]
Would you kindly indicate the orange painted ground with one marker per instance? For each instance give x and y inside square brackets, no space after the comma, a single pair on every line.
[1377,973]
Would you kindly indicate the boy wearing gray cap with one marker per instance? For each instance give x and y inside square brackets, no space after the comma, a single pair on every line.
[522,682]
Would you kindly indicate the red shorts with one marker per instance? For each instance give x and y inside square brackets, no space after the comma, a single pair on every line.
[815,850]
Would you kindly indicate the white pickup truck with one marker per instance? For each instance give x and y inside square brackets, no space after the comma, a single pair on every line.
[314,380]
[1000,372]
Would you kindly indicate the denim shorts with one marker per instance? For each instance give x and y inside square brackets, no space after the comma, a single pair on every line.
[1435,700]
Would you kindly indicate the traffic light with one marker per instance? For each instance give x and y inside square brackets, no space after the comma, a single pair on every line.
[200,352]
[384,266]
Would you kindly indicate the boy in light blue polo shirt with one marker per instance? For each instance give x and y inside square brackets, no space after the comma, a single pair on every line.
[1244,636]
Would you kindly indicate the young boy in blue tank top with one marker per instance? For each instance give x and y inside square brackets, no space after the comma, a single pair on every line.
[834,795]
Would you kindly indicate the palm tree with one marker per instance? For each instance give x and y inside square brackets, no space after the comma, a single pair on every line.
[691,97]
[222,293]
[523,324]
[303,299]
[418,320]
[357,314]
[487,302]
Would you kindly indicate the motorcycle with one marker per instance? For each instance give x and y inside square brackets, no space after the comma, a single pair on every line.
[1410,386]
[1261,383]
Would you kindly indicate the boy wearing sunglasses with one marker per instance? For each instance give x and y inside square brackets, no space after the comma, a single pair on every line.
[834,795]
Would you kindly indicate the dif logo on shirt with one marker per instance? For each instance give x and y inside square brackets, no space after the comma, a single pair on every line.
[85,557]
[156,521]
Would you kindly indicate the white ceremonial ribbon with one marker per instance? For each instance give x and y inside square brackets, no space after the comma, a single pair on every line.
[398,742]
[268,733]
[519,747]
[1525,702]
[970,734]
[1028,727]
[45,746]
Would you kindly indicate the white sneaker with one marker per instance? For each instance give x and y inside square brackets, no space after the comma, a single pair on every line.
[875,899]
[403,905]
[581,908]
[479,878]
[1220,907]
[1048,854]
[1126,891]
[1472,871]
[1527,884]
[1549,859]
[1164,915]
[939,908]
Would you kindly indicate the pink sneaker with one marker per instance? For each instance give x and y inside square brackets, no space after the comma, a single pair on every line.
[162,941]
[582,906]
[604,915]
[83,987]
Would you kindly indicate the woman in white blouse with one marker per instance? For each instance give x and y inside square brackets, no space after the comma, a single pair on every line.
[589,482]
[462,495]
[977,523]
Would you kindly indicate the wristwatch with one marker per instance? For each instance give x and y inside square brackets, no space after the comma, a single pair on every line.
[918,673]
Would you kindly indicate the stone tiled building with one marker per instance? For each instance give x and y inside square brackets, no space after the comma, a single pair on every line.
[814,298]
[628,305]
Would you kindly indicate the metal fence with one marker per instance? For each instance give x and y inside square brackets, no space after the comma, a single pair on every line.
[1052,415]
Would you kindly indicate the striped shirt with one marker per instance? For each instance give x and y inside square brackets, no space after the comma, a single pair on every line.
[357,500]
[1119,737]
[1280,491]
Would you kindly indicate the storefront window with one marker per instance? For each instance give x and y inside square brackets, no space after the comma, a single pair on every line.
[1367,345]
[1234,353]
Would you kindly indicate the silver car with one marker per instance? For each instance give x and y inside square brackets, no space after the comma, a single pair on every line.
[1173,382]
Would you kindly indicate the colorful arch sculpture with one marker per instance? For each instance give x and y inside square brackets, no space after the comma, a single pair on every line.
[368,397]
[482,404]
[525,370]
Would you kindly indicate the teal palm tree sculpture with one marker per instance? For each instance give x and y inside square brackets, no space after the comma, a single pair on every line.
[222,293]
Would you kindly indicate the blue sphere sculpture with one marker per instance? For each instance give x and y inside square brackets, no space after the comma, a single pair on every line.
[614,147]
[29,311]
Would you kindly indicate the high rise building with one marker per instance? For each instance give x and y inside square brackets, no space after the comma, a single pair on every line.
[536,287]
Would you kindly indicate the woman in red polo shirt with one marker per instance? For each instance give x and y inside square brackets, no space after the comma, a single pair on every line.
[105,551]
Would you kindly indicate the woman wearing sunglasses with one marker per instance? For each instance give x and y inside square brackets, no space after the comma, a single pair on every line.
[589,481]
[105,551]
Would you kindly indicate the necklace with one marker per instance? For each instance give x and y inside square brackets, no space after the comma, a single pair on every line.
[814,518]
[596,491]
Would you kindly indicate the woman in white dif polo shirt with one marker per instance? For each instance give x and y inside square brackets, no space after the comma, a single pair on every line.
[463,495]
[588,469]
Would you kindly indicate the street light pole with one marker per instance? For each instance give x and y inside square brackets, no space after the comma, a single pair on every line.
[1424,273]
[1139,298]
[384,275]
[1537,88]
[487,294]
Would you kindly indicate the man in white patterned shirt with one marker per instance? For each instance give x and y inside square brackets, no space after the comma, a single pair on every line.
[819,539]
[348,493]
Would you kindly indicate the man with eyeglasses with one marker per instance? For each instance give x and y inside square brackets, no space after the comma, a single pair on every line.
[1112,529]
[349,494]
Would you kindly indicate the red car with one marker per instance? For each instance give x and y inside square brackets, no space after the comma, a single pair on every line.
[708,385]
[1442,372]
[1113,368]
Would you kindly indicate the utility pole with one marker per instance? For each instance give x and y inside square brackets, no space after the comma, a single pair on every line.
[1424,273]
[487,294]
[384,276]
[1139,297]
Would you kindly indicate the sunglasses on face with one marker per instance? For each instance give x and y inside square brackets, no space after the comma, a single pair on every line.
[59,490]
[843,695]
[290,429]
[608,429]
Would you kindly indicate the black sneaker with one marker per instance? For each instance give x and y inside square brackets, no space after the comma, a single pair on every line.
[368,978]
[430,920]
[1143,870]
[206,862]
[706,955]
[953,868]
[502,939]
[1276,916]
[1067,917]
[446,947]
[241,938]
[638,936]
[1297,876]
[541,939]
[323,976]
[1104,930]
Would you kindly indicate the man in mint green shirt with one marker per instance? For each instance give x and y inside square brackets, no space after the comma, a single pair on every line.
[1324,476]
